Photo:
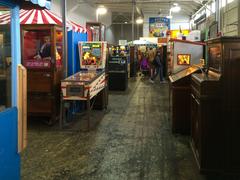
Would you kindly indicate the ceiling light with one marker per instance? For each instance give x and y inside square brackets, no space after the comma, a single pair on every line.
[175,8]
[101,10]
[139,21]
[169,17]
[125,22]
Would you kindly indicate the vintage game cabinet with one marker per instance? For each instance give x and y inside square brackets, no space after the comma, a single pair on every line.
[44,69]
[183,54]
[90,80]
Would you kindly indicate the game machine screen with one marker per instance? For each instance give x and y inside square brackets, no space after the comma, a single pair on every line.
[214,59]
[183,59]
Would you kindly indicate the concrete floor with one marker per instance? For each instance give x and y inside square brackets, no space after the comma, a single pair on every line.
[132,140]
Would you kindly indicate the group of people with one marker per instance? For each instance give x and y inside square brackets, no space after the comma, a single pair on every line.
[152,61]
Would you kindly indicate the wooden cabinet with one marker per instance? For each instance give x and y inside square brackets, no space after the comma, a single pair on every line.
[180,94]
[206,121]
[215,107]
[44,72]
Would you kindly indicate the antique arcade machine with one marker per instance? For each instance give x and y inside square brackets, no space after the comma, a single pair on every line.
[42,56]
[90,81]
[183,54]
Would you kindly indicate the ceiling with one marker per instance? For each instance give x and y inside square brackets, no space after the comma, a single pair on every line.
[122,9]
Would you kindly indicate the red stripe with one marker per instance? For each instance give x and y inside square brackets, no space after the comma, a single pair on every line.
[54,18]
[35,18]
[45,21]
[26,18]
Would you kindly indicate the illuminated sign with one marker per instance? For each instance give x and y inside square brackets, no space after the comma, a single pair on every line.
[183,59]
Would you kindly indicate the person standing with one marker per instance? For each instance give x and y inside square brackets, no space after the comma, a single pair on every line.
[158,62]
[151,56]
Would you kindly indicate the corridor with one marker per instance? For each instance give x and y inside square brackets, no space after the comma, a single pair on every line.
[132,140]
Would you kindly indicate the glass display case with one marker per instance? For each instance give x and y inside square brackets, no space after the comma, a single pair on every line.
[96,31]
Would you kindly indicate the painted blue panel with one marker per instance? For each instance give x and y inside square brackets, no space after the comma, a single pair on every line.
[15,50]
[9,158]
[70,52]
[73,54]
[78,37]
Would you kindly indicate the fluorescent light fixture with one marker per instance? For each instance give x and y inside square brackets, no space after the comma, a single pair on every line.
[169,16]
[125,22]
[101,10]
[175,9]
[139,21]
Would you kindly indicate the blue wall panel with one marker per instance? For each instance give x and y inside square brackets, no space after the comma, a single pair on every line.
[73,54]
[9,157]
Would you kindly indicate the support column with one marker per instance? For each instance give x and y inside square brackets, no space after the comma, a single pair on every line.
[64,24]
[238,21]
[217,15]
[15,52]
[133,11]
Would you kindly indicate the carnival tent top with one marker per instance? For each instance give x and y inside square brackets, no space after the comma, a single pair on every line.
[37,16]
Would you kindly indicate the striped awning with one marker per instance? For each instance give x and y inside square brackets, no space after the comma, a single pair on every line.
[36,16]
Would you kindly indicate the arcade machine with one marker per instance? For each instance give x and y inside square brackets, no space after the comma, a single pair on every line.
[215,109]
[89,81]
[181,51]
[42,56]
[118,70]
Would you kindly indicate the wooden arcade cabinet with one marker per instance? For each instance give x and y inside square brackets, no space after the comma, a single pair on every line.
[215,109]
[44,69]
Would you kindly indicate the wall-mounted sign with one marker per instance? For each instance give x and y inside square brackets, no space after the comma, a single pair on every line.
[158,26]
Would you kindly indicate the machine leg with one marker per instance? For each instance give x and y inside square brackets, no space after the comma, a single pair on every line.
[88,110]
[61,114]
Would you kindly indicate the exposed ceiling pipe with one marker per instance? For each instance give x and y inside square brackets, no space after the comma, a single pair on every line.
[140,12]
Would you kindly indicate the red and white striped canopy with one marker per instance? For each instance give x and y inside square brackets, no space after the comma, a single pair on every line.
[36,16]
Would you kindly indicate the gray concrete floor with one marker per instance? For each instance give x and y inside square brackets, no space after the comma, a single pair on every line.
[132,140]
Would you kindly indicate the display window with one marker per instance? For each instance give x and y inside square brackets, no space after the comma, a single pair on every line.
[37,47]
[5,63]
[214,61]
[59,49]
[183,59]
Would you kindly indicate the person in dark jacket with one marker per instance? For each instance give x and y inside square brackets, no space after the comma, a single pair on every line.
[158,62]
[45,50]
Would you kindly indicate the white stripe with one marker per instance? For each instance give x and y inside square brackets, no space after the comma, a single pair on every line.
[54,15]
[49,19]
[22,18]
[30,19]
[39,20]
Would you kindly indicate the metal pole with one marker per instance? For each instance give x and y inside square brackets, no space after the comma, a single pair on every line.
[121,31]
[217,17]
[238,19]
[133,9]
[64,24]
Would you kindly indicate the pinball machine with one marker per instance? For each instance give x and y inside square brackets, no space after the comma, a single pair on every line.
[90,81]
